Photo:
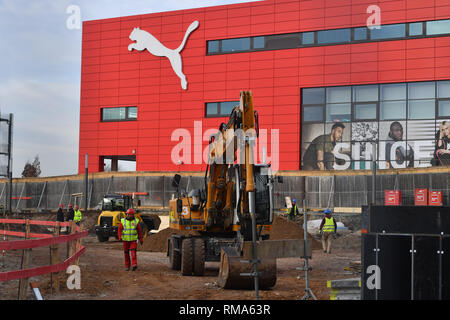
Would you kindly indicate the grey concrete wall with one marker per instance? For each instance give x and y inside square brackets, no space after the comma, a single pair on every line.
[319,191]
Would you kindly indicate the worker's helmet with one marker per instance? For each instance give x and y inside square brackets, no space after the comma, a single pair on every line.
[293,200]
[327,211]
[130,211]
[69,206]
[61,205]
[76,207]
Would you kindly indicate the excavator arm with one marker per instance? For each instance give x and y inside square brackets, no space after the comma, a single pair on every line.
[238,135]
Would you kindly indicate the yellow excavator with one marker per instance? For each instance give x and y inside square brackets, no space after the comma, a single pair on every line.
[231,216]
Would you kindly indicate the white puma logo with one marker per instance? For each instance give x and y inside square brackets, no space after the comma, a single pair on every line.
[145,40]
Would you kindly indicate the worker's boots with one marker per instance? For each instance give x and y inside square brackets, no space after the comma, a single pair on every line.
[134,268]
[127,269]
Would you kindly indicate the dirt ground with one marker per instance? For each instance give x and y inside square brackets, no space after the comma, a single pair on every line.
[103,276]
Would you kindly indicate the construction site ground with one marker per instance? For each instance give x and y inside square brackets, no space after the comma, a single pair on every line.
[103,274]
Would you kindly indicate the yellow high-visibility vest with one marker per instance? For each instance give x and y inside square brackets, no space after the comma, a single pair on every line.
[129,232]
[77,216]
[329,225]
[293,210]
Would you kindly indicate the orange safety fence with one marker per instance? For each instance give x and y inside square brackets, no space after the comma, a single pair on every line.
[42,240]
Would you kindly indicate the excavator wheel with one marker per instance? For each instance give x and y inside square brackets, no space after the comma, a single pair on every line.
[174,256]
[199,257]
[231,268]
[192,257]
[187,259]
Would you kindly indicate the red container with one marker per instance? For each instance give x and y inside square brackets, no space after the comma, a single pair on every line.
[421,197]
[392,198]
[435,198]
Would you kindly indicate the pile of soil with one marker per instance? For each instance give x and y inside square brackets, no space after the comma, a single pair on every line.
[157,242]
[282,228]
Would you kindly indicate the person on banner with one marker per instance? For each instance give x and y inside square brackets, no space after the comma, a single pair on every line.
[328,229]
[129,233]
[319,155]
[442,151]
[293,211]
[404,154]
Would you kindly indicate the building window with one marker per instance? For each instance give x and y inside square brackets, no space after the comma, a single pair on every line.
[392,110]
[119,114]
[444,108]
[388,32]
[308,38]
[421,109]
[220,109]
[259,42]
[313,113]
[283,41]
[438,27]
[365,111]
[213,46]
[334,36]
[313,96]
[360,34]
[338,112]
[342,125]
[232,45]
[416,29]
[330,37]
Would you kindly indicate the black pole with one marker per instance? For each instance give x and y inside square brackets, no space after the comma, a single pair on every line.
[86,184]
[374,174]
[10,161]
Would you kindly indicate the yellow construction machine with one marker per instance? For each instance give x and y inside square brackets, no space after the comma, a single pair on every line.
[232,214]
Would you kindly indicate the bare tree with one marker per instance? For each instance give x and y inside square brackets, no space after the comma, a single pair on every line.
[32,169]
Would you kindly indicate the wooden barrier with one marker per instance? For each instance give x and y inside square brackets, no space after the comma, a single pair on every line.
[43,240]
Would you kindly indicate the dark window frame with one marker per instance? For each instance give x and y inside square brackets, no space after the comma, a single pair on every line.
[127,117]
[218,114]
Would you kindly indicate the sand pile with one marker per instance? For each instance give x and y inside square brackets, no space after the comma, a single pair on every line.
[282,228]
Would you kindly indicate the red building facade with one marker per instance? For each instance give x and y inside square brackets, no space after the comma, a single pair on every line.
[133,101]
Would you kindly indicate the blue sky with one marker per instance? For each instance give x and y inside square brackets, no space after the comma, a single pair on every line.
[40,73]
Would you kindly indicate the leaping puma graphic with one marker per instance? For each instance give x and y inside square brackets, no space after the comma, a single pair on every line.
[145,40]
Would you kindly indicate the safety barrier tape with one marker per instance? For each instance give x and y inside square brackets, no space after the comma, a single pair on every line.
[29,244]
[22,234]
[33,272]
[35,222]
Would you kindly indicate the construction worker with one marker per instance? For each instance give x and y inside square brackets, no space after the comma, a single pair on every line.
[293,211]
[129,232]
[70,213]
[328,229]
[77,216]
[60,213]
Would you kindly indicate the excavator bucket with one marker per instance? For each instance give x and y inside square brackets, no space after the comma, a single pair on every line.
[235,270]
[235,273]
